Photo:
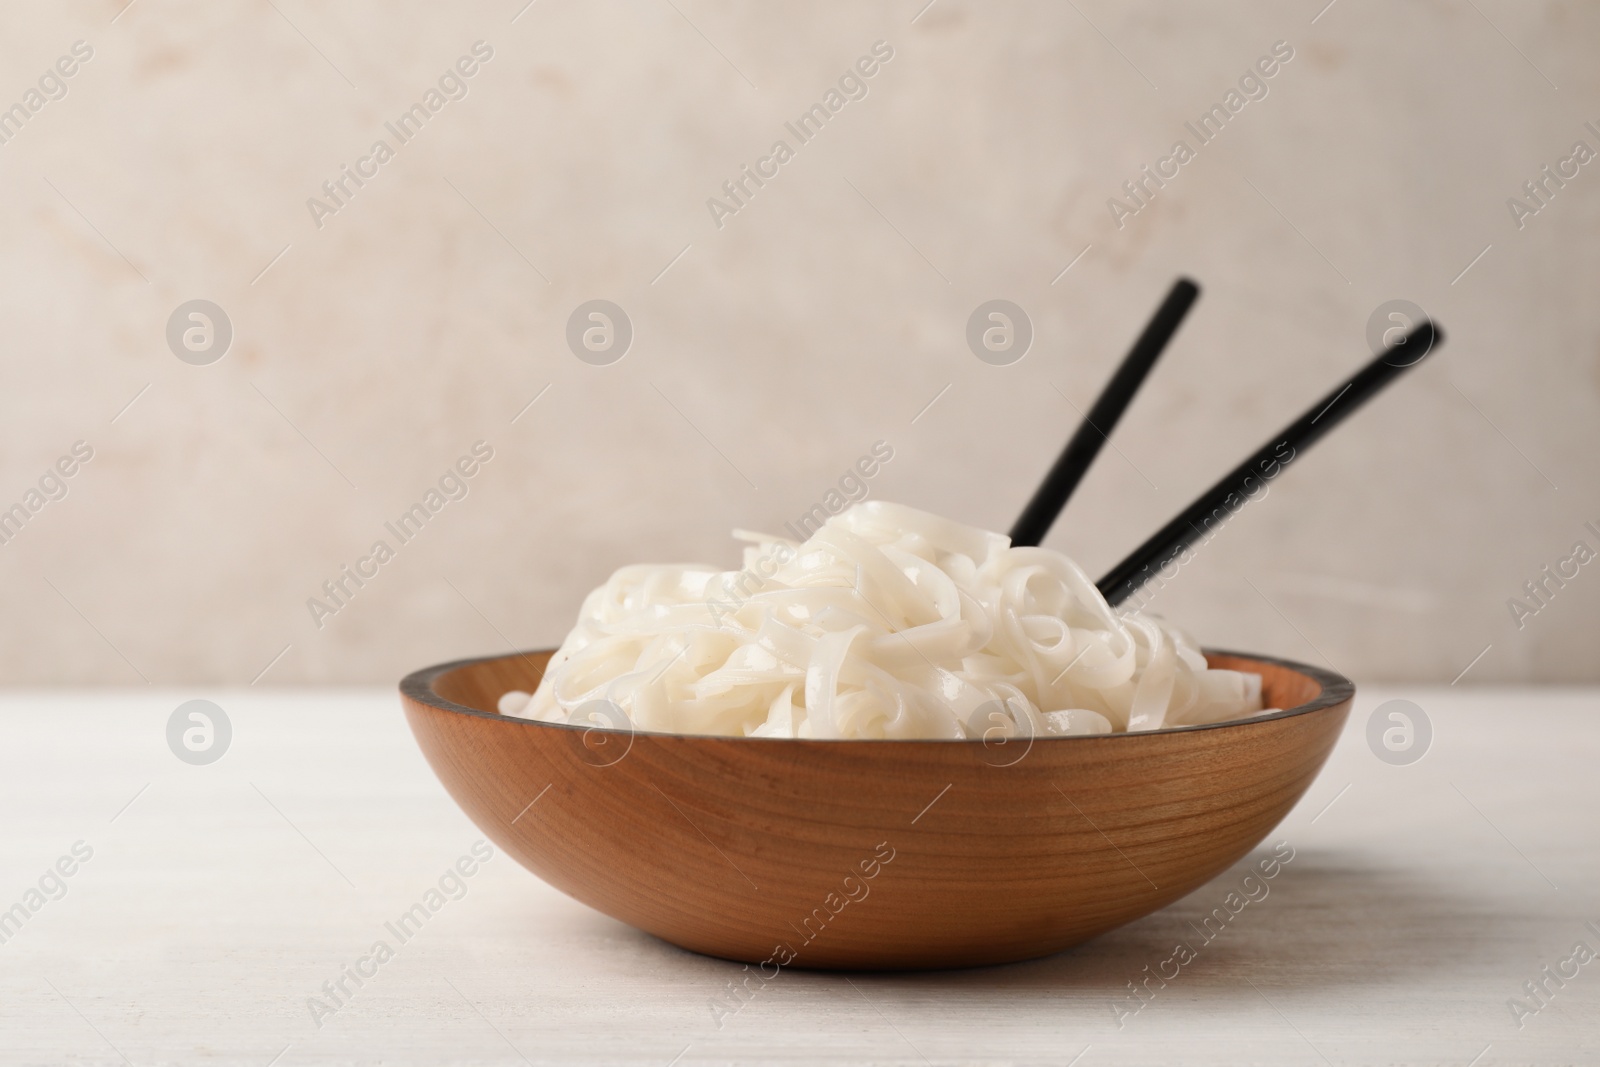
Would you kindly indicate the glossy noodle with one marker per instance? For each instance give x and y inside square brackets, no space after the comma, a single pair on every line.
[888,623]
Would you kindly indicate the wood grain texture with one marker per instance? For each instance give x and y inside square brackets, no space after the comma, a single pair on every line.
[876,854]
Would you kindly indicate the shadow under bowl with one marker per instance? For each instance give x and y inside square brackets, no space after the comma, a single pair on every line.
[872,855]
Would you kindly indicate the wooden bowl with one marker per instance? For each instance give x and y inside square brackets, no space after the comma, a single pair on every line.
[872,854]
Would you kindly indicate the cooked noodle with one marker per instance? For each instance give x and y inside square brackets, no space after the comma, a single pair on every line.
[889,623]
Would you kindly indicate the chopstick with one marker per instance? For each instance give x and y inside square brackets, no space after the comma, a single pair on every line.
[1218,503]
[1080,452]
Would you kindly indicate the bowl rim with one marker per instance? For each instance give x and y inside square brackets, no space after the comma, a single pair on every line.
[1336,689]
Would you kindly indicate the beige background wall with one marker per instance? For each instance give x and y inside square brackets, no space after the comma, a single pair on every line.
[818,320]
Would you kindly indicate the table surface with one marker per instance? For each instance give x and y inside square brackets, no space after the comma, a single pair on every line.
[219,899]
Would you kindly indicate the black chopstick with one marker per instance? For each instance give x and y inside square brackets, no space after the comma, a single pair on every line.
[1241,484]
[1096,427]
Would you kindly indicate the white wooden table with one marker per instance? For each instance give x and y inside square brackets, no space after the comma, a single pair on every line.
[219,899]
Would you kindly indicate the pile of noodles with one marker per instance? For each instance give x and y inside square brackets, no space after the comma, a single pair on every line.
[889,623]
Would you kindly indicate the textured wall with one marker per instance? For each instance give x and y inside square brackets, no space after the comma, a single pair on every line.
[377,338]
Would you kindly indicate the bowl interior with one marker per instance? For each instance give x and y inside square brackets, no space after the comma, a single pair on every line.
[475,686]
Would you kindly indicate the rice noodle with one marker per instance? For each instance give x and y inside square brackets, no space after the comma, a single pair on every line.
[889,623]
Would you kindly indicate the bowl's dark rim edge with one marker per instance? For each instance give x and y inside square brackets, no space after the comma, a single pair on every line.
[1336,689]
